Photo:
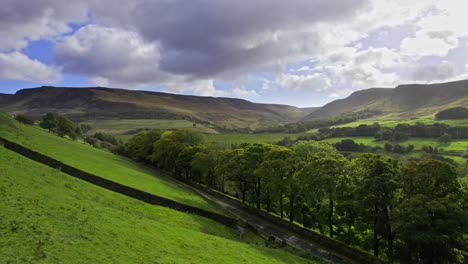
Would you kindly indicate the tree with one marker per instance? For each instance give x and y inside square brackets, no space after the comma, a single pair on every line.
[324,176]
[49,122]
[388,147]
[445,138]
[277,168]
[65,127]
[430,220]
[376,197]
[24,119]
[235,170]
[140,146]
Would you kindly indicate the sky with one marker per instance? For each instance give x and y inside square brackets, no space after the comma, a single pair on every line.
[297,52]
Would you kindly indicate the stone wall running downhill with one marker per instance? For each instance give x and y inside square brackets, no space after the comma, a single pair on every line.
[115,187]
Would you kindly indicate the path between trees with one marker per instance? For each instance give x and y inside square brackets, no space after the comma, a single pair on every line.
[267,229]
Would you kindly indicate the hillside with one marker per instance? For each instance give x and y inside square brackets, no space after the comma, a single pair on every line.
[403,102]
[102,163]
[105,103]
[50,217]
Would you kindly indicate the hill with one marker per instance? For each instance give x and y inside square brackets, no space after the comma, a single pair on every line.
[107,103]
[101,162]
[403,102]
[48,216]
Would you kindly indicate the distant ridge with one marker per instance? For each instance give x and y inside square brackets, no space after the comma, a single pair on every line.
[100,103]
[403,102]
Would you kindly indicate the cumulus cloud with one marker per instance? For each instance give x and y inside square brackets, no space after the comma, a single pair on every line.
[205,38]
[17,66]
[110,55]
[183,46]
[244,93]
[22,21]
[437,43]
[314,81]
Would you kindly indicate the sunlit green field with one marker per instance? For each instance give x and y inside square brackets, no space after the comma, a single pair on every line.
[101,162]
[455,145]
[393,122]
[49,217]
[458,146]
[229,139]
[122,126]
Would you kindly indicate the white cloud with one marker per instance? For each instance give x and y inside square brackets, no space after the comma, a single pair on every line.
[428,43]
[119,56]
[315,81]
[23,21]
[436,72]
[243,93]
[17,66]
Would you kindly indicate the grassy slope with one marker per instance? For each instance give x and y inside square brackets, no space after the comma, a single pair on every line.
[121,126]
[49,217]
[100,162]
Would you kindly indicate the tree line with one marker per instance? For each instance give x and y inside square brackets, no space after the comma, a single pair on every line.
[398,133]
[305,126]
[453,113]
[412,212]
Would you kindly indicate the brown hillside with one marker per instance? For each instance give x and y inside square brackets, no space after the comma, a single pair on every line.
[404,101]
[99,103]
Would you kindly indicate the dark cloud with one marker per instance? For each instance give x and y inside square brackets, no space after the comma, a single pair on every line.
[205,38]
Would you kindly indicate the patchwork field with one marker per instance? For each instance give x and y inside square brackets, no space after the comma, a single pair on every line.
[49,217]
[229,139]
[122,126]
[458,146]
[391,122]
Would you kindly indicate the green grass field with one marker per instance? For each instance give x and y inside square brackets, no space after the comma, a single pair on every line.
[122,126]
[229,139]
[101,163]
[458,146]
[455,145]
[49,217]
[390,122]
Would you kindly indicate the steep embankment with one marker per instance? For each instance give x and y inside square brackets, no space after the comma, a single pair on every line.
[402,102]
[105,103]
[49,217]
[100,162]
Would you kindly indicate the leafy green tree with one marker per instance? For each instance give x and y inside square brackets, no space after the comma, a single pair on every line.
[24,119]
[254,155]
[431,220]
[205,160]
[376,198]
[140,146]
[277,168]
[324,176]
[445,138]
[236,171]
[65,127]
[49,122]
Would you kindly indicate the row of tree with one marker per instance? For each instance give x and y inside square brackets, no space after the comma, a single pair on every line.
[453,113]
[304,126]
[413,213]
[400,132]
